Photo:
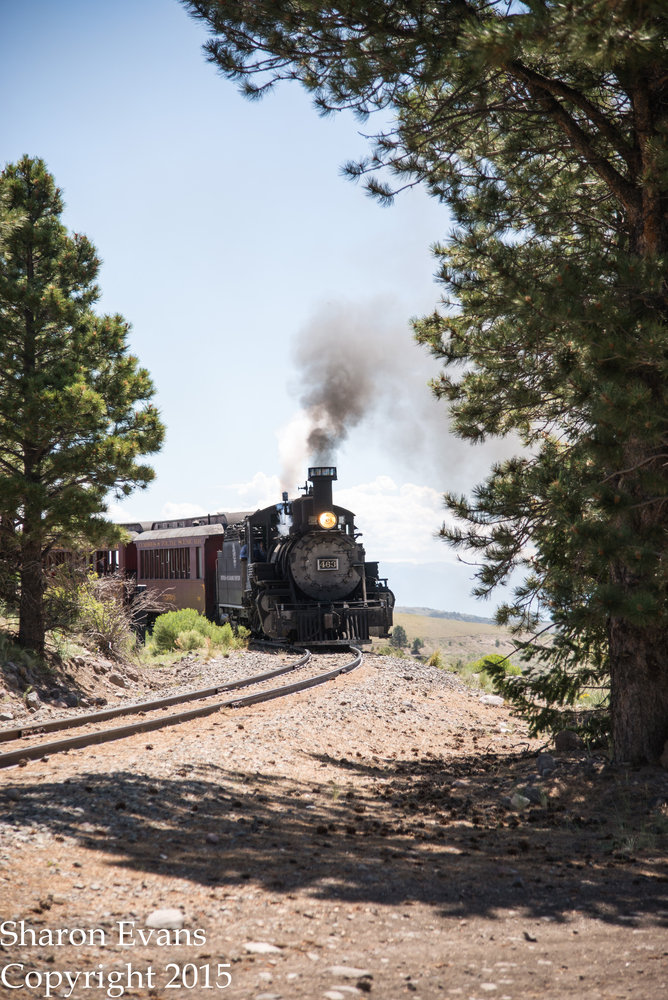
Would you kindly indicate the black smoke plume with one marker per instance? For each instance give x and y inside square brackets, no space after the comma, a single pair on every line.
[358,364]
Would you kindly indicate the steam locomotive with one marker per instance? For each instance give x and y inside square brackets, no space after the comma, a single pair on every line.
[292,572]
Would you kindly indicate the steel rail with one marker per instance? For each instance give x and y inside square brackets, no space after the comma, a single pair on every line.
[120,732]
[252,699]
[55,725]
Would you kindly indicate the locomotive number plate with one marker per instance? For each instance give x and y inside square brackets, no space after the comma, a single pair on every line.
[328,563]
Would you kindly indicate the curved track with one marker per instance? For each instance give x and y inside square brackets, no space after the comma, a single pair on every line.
[96,736]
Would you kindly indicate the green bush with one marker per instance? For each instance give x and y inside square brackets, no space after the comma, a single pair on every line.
[171,628]
[436,659]
[484,674]
[95,610]
[497,660]
[104,622]
[168,627]
[66,593]
[10,651]
[190,640]
[397,653]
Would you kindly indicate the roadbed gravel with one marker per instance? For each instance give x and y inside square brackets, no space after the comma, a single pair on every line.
[389,834]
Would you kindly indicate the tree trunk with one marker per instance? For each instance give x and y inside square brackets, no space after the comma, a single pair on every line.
[639,654]
[31,613]
[639,690]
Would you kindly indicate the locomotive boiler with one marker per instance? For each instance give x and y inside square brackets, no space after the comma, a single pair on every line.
[297,572]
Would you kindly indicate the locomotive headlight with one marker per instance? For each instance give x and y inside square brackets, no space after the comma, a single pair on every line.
[328,519]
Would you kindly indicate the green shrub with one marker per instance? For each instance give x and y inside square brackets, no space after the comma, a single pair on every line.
[484,674]
[66,592]
[94,609]
[192,639]
[390,651]
[224,638]
[169,628]
[104,621]
[497,660]
[11,652]
[436,659]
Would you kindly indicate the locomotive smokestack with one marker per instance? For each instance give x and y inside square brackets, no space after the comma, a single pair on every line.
[322,478]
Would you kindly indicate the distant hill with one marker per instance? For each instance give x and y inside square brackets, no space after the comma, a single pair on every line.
[458,616]
[458,636]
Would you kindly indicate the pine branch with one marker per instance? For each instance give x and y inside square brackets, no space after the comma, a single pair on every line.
[557,88]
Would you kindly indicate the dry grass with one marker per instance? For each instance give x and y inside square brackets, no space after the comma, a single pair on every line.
[457,640]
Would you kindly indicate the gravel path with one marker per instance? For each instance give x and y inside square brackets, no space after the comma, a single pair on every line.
[358,838]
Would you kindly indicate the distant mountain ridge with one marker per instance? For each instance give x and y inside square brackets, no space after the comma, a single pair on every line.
[456,615]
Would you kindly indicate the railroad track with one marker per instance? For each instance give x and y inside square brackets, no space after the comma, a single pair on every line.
[40,749]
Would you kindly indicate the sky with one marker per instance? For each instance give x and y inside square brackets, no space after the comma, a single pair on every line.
[245,262]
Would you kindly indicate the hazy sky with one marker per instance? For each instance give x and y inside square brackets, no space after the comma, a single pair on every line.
[237,251]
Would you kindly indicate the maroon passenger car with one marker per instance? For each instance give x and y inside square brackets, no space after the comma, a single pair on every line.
[179,563]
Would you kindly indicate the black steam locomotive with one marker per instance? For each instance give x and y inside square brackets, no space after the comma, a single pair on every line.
[293,572]
[297,572]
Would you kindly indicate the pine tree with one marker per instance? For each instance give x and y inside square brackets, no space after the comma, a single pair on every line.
[398,639]
[544,129]
[74,405]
